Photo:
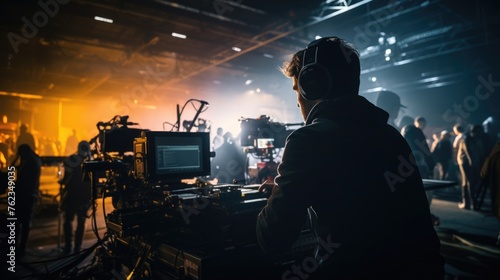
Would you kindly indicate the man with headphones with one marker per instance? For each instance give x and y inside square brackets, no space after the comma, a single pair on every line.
[349,176]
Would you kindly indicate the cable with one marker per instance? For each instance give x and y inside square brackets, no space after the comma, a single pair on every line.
[171,124]
[60,269]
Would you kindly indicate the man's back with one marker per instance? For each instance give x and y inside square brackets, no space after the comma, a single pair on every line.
[368,197]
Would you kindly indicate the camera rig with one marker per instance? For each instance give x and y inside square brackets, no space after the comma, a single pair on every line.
[168,221]
[261,136]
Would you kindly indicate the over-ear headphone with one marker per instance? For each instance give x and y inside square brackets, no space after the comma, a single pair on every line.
[314,79]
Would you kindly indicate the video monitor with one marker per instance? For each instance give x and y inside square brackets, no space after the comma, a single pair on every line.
[172,156]
[265,143]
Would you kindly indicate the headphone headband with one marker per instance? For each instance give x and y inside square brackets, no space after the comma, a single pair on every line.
[314,79]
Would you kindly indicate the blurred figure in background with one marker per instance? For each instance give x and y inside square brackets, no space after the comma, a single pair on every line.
[421,123]
[75,196]
[459,132]
[25,137]
[27,193]
[218,139]
[418,144]
[423,158]
[406,120]
[442,153]
[229,162]
[391,103]
[71,144]
[470,158]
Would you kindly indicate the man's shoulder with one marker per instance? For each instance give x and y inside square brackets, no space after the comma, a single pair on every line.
[317,127]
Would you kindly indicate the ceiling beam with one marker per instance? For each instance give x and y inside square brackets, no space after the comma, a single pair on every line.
[276,33]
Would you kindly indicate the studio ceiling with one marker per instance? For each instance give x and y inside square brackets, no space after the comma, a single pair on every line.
[60,51]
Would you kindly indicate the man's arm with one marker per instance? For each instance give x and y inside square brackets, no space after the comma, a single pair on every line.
[281,220]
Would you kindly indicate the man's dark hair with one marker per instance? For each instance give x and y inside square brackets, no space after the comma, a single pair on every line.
[341,59]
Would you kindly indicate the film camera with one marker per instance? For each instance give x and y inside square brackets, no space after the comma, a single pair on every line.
[261,136]
[169,221]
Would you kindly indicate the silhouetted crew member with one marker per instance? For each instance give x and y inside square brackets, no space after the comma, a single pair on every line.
[228,165]
[25,137]
[71,144]
[443,155]
[218,139]
[351,173]
[391,103]
[418,144]
[27,193]
[75,197]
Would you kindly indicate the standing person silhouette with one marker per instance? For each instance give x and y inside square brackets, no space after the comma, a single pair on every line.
[228,165]
[27,193]
[25,137]
[421,123]
[391,103]
[218,139]
[75,197]
[423,158]
[341,175]
[71,144]
[443,155]
[470,158]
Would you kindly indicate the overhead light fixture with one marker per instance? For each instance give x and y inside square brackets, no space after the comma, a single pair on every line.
[268,55]
[391,40]
[388,52]
[179,35]
[248,82]
[236,49]
[373,79]
[376,89]
[21,95]
[387,58]
[103,19]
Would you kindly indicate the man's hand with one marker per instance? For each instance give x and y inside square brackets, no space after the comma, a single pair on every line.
[267,186]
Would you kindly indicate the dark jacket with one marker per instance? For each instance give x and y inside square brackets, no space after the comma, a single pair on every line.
[354,170]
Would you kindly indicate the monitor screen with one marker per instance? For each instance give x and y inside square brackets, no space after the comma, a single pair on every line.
[265,143]
[177,155]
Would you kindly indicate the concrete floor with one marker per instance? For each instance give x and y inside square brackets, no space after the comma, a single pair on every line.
[468,241]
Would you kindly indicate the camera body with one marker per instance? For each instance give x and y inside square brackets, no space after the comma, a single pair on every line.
[263,133]
[169,221]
